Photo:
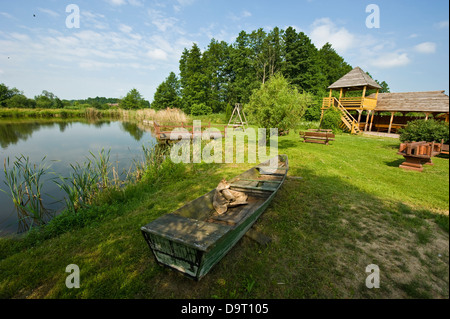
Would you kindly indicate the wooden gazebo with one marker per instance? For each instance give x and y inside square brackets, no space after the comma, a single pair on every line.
[430,103]
[355,80]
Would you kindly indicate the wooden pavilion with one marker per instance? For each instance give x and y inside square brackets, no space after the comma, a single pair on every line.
[355,80]
[431,103]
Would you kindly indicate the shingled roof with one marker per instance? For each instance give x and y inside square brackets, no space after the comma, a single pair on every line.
[356,79]
[430,101]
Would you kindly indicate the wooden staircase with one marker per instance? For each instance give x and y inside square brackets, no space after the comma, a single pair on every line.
[348,121]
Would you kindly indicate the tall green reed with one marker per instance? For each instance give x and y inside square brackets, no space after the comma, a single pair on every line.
[24,182]
[80,186]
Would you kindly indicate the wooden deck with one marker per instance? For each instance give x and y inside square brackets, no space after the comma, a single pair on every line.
[168,132]
[353,103]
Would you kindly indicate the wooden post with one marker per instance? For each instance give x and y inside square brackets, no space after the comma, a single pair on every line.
[363,96]
[426,116]
[371,121]
[367,120]
[376,95]
[390,122]
[340,94]
[329,97]
[359,116]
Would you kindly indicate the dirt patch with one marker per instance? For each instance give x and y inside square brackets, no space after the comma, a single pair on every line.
[409,267]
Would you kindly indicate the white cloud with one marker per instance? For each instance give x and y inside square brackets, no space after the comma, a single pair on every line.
[246,14]
[49,12]
[390,60]
[116,2]
[160,42]
[6,15]
[20,36]
[324,30]
[426,47]
[160,20]
[157,54]
[136,3]
[125,28]
[94,20]
[185,3]
[236,17]
[442,24]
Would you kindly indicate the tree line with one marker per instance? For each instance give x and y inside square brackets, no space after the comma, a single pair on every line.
[226,74]
[14,98]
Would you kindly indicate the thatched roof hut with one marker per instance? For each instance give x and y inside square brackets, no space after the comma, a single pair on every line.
[356,79]
[426,102]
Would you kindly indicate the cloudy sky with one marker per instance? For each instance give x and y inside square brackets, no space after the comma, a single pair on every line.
[124,44]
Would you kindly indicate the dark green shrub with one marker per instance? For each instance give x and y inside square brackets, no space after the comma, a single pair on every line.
[312,113]
[200,109]
[421,130]
[331,120]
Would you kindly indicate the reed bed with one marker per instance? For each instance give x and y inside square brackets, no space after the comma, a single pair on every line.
[162,116]
[24,182]
[82,187]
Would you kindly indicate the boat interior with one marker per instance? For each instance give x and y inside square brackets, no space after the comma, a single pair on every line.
[259,183]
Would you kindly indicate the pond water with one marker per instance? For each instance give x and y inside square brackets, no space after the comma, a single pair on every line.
[63,143]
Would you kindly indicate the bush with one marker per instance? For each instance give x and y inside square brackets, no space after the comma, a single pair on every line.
[428,131]
[312,113]
[331,120]
[200,109]
[277,104]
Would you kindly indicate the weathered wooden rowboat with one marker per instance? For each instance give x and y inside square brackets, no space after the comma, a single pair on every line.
[194,238]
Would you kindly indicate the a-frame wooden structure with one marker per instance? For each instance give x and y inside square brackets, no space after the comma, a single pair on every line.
[238,118]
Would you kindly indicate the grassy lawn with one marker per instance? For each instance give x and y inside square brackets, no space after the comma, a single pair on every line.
[348,206]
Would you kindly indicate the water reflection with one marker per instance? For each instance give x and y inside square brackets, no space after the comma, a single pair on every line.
[64,142]
[133,129]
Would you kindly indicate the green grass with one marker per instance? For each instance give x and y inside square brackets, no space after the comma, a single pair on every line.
[351,207]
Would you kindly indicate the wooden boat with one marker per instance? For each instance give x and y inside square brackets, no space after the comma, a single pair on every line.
[194,238]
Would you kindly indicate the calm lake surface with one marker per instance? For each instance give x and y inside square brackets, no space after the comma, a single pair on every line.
[64,143]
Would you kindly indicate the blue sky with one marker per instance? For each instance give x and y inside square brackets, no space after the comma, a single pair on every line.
[125,44]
